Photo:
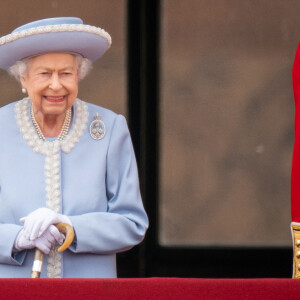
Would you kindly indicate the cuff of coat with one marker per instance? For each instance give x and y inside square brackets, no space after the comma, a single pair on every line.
[18,257]
[8,235]
[73,246]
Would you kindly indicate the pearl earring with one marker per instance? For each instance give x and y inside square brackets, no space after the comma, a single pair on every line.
[24,91]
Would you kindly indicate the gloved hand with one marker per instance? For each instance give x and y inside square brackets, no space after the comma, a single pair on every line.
[44,243]
[36,223]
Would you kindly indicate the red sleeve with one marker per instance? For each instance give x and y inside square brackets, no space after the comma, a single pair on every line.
[295,182]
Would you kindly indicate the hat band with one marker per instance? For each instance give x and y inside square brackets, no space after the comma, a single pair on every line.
[55,28]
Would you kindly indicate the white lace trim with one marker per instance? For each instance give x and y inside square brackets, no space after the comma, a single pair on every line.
[52,160]
[55,28]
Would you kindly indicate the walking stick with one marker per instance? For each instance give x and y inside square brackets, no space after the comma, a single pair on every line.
[39,255]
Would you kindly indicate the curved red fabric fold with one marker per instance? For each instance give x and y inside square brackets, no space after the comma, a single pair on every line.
[295,182]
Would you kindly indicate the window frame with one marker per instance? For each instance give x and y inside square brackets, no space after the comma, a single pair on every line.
[150,259]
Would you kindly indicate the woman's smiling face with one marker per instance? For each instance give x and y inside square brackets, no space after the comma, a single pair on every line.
[51,81]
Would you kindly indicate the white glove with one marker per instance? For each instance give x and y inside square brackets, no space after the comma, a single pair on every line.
[37,222]
[44,243]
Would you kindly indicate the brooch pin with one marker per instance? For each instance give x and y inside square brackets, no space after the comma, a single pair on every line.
[97,128]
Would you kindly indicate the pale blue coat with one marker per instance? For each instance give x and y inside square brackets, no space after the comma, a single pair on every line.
[99,192]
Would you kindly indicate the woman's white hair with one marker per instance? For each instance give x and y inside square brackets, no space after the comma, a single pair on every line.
[19,69]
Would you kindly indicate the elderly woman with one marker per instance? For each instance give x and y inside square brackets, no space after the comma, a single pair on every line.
[62,159]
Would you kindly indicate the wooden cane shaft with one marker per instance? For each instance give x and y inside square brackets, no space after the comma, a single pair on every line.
[37,264]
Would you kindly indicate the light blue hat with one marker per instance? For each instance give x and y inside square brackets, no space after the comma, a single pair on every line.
[64,34]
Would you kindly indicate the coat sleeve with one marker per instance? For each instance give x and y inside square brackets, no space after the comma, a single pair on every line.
[125,222]
[8,234]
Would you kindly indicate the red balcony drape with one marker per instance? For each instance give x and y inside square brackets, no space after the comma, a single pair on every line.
[149,288]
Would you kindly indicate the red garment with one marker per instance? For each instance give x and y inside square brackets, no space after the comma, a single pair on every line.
[295,183]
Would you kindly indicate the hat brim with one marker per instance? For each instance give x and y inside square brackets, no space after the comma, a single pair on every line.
[86,44]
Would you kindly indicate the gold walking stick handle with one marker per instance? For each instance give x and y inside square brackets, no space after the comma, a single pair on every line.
[39,255]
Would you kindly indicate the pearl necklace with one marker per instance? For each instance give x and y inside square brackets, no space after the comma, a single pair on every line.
[64,129]
[24,120]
